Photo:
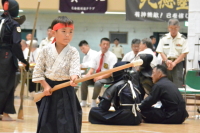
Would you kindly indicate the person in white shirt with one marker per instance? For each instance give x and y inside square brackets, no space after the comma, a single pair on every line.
[34,51]
[89,53]
[135,49]
[118,49]
[32,60]
[146,48]
[173,48]
[24,48]
[48,39]
[103,61]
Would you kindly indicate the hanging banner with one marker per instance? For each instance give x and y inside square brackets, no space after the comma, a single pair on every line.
[156,10]
[83,6]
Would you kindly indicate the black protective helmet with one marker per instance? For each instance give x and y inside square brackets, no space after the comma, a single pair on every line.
[10,6]
[119,75]
[146,68]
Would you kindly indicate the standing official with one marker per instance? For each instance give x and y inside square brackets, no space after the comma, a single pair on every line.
[48,39]
[173,49]
[25,49]
[10,50]
[104,60]
[118,49]
[153,41]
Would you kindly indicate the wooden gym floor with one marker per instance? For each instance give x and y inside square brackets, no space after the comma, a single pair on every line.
[29,124]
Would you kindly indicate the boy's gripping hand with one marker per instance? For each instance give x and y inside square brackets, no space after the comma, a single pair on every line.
[47,89]
[72,80]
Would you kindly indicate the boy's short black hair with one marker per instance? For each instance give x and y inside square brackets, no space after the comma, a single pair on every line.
[162,68]
[61,19]
[151,37]
[116,39]
[136,41]
[105,39]
[83,42]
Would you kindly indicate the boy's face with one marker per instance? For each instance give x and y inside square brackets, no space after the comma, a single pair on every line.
[63,36]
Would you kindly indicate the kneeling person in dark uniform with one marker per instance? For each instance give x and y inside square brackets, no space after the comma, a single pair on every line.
[125,97]
[173,110]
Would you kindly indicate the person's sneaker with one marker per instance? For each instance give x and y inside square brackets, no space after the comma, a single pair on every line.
[83,103]
[93,104]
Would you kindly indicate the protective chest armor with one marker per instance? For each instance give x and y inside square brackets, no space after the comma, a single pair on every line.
[6,31]
[119,93]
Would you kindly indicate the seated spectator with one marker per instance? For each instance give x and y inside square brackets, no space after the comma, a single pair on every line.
[89,54]
[34,51]
[135,49]
[24,48]
[173,109]
[146,48]
[33,60]
[104,60]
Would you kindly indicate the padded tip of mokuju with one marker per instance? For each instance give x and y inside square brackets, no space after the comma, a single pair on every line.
[138,62]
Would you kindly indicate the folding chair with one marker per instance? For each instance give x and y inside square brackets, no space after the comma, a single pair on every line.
[192,87]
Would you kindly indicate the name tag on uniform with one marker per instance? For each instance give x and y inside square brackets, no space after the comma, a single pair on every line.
[178,45]
[105,65]
[166,44]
